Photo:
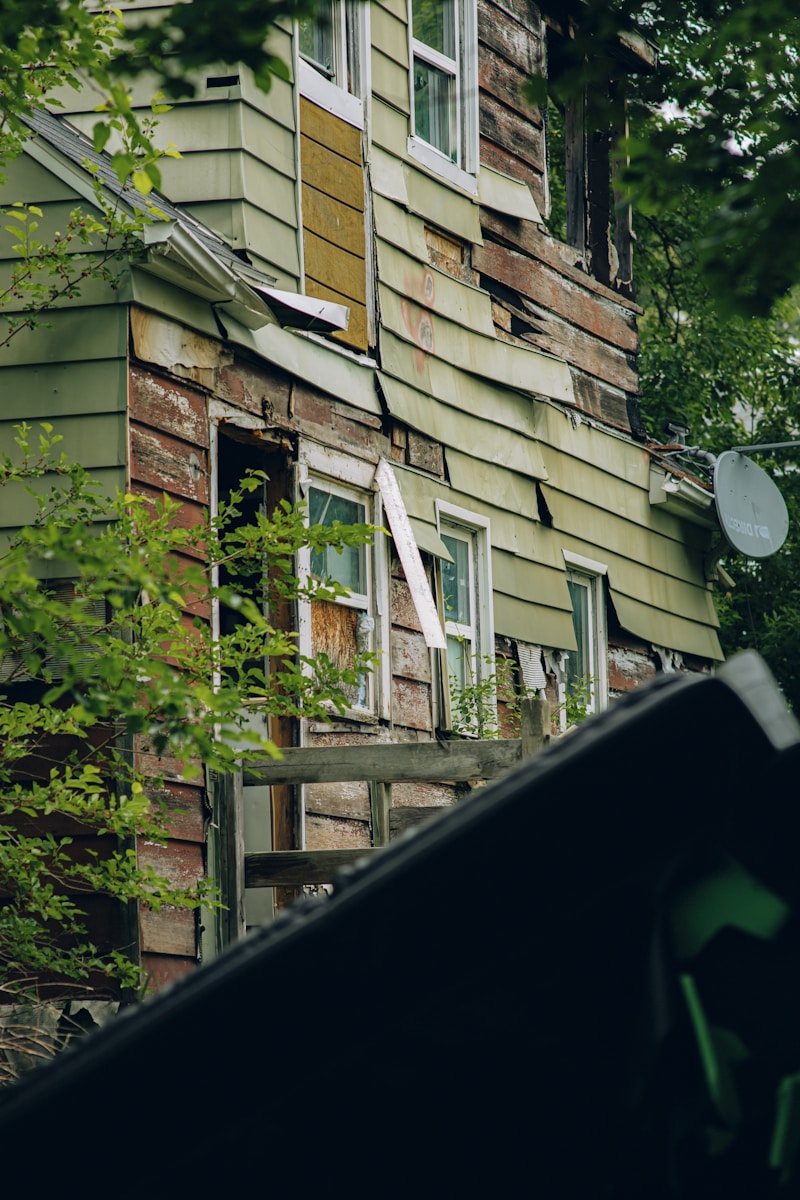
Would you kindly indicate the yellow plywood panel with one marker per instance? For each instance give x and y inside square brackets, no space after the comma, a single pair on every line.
[335,268]
[334,222]
[328,172]
[458,301]
[331,131]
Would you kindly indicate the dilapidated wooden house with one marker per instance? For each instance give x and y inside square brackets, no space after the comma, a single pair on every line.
[406,294]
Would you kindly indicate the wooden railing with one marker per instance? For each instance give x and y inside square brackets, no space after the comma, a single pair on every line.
[461,760]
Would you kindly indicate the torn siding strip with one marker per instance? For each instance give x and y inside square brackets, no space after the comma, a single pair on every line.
[444,422]
[506,195]
[666,629]
[409,556]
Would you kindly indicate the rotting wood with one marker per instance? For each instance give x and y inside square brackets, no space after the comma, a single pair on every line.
[401,819]
[458,761]
[294,868]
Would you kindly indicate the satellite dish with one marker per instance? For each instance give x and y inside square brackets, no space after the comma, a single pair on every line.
[751,510]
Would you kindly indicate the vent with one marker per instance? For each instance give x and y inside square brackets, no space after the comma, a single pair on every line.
[12,666]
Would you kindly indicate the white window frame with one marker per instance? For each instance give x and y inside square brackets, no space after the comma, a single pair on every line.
[330,470]
[588,573]
[463,69]
[453,520]
[350,21]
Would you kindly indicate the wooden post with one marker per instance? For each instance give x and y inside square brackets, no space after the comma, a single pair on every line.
[535,718]
[380,799]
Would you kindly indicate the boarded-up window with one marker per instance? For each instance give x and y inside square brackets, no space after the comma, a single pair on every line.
[334,234]
[345,626]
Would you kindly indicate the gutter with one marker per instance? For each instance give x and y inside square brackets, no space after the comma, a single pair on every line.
[173,253]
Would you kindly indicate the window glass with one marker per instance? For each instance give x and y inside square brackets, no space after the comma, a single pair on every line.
[347,567]
[456,581]
[434,23]
[580,663]
[317,39]
[438,89]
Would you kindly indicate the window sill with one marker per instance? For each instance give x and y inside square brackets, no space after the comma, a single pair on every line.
[327,95]
[439,164]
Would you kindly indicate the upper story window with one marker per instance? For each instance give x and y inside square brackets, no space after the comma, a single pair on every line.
[329,42]
[444,87]
[333,57]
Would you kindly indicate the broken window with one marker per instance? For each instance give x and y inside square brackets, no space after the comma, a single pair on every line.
[585,210]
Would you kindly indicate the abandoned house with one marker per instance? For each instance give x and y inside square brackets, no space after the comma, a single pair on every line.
[391,285]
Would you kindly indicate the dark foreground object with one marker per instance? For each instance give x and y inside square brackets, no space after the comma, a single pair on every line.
[496,1006]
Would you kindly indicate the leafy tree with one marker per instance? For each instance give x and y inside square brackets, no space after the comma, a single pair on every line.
[728,78]
[118,650]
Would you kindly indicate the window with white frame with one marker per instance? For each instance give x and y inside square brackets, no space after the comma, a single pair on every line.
[586,668]
[344,625]
[444,92]
[466,603]
[331,42]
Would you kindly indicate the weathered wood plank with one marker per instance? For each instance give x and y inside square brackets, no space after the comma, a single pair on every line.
[516,42]
[401,819]
[172,407]
[511,131]
[454,760]
[506,83]
[293,868]
[168,465]
[547,287]
[531,239]
[410,656]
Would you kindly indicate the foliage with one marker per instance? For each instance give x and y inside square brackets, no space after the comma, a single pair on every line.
[727,84]
[491,705]
[577,702]
[734,380]
[116,651]
[474,706]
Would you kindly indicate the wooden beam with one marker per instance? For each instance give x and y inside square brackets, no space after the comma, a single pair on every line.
[293,868]
[455,761]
